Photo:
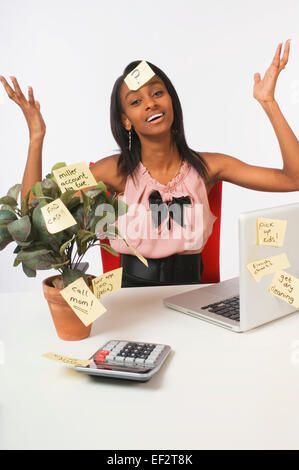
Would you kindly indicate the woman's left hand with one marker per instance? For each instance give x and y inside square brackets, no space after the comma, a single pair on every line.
[263,90]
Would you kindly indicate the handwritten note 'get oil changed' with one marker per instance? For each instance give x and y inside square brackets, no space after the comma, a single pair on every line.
[270,231]
[76,177]
[82,301]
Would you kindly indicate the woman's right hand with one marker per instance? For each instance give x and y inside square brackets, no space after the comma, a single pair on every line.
[30,108]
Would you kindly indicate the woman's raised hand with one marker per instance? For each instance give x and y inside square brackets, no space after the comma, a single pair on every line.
[263,90]
[30,108]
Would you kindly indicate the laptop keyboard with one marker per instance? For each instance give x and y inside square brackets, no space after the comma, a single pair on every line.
[229,308]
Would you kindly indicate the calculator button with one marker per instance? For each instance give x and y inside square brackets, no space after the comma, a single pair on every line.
[129,360]
[119,359]
[138,360]
[149,362]
[110,345]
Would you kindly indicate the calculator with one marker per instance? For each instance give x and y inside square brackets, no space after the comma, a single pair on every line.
[127,360]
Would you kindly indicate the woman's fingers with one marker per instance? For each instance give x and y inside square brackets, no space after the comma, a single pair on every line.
[17,88]
[7,87]
[281,63]
[30,95]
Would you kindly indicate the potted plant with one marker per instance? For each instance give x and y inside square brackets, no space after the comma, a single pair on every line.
[37,249]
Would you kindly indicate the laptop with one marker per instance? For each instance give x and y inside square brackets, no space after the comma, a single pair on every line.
[241,303]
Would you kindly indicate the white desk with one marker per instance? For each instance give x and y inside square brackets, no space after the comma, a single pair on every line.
[218,389]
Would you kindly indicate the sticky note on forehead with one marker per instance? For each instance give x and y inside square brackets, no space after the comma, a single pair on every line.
[139,76]
[74,177]
[270,231]
[57,216]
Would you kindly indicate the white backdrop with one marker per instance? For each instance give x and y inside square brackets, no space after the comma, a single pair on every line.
[72,52]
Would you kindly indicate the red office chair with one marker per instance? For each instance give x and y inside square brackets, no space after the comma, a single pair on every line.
[210,253]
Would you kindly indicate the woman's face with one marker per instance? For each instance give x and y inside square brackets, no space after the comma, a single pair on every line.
[150,99]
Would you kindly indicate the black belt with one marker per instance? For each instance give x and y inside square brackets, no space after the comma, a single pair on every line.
[174,269]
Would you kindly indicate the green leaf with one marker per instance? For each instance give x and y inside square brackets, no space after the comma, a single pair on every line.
[10,201]
[14,191]
[109,249]
[100,185]
[63,247]
[5,237]
[71,275]
[120,207]
[50,188]
[28,271]
[73,203]
[57,165]
[7,216]
[5,207]
[37,259]
[67,196]
[59,265]
[17,262]
[20,229]
[17,249]
[37,189]
[86,202]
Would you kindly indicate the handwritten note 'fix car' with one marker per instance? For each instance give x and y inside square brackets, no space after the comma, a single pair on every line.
[57,216]
[82,301]
[270,231]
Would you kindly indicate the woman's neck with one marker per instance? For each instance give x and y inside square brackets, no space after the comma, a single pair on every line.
[159,156]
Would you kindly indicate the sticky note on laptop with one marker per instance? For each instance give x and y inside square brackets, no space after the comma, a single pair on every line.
[264,266]
[270,231]
[284,286]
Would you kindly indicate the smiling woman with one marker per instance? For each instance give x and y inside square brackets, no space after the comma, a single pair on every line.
[165,182]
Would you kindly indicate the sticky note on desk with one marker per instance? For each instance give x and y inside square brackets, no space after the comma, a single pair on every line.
[82,301]
[57,216]
[76,177]
[107,283]
[264,266]
[270,231]
[285,287]
[68,360]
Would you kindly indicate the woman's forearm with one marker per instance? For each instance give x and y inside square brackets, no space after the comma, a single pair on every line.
[288,142]
[33,168]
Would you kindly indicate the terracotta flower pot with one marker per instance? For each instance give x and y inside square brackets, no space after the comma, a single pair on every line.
[68,326]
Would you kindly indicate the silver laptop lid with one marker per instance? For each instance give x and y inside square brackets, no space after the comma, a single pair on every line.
[257,305]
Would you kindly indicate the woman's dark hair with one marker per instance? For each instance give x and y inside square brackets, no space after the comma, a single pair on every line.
[129,159]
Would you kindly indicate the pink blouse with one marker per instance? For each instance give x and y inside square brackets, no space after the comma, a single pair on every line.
[186,222]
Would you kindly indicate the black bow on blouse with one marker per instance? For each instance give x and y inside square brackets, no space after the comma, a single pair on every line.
[173,208]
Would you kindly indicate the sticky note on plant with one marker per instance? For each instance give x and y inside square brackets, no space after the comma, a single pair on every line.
[82,301]
[67,360]
[107,283]
[74,177]
[264,266]
[270,231]
[284,286]
[139,256]
[57,216]
[139,76]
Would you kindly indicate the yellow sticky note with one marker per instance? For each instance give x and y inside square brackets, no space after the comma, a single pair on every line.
[57,216]
[82,301]
[107,283]
[270,231]
[285,287]
[264,266]
[67,360]
[139,76]
[139,256]
[76,177]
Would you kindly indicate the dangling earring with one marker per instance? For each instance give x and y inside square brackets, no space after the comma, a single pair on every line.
[130,140]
